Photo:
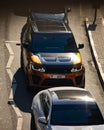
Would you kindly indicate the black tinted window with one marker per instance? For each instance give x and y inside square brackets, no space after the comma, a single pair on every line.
[82,114]
[53,42]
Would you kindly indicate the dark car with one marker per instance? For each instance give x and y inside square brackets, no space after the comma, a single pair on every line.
[49,53]
[65,108]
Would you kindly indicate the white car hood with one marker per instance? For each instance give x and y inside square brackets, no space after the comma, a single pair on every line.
[95,127]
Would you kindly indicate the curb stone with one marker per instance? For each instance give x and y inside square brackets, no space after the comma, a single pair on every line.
[94,54]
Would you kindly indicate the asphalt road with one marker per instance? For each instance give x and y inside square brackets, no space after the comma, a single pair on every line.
[10,28]
[6,113]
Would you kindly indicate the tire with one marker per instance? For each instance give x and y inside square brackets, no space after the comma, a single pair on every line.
[32,127]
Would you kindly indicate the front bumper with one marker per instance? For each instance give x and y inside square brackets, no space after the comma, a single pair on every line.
[46,80]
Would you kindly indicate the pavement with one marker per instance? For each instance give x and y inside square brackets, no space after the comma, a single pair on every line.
[95,33]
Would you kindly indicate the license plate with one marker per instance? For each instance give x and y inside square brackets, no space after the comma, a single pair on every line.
[57,76]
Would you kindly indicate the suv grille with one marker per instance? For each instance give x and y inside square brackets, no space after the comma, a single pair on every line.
[57,82]
[57,69]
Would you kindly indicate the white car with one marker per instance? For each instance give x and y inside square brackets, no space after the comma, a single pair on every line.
[65,108]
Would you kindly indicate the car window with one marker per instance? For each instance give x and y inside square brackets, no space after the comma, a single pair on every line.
[53,42]
[45,104]
[74,114]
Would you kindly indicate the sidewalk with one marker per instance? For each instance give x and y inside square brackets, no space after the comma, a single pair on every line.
[96,40]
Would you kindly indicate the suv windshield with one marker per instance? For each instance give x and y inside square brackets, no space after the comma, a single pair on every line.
[53,42]
[74,114]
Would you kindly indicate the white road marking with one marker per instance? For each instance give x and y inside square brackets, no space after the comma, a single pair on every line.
[19,123]
[12,41]
[19,115]
[10,74]
[9,49]
[11,57]
[12,92]
[14,85]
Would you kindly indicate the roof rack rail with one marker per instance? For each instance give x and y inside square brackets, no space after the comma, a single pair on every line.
[49,16]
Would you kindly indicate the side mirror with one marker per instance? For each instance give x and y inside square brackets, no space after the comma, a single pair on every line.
[26,44]
[80,46]
[18,44]
[42,120]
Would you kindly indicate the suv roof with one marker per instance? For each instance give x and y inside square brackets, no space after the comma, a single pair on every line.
[49,22]
[49,16]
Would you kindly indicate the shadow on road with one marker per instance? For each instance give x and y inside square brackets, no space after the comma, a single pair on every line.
[22,97]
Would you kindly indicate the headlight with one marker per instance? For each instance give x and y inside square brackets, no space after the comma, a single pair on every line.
[76,68]
[36,63]
[35,59]
[37,67]
[76,58]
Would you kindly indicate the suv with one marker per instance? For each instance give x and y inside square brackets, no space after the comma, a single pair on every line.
[49,53]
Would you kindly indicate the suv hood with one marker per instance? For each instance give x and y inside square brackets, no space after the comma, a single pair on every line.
[59,58]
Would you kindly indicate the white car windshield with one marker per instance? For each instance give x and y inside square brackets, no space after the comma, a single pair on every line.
[74,114]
